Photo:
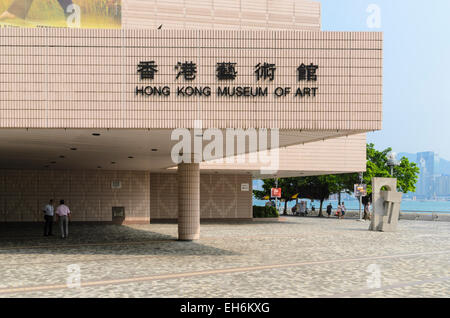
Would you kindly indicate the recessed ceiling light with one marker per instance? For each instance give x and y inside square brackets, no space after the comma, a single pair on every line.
[96,134]
[73,149]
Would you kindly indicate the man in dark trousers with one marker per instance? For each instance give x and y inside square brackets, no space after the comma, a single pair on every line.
[48,216]
[329,209]
[20,8]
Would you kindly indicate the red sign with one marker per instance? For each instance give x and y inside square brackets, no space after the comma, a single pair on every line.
[360,190]
[276,193]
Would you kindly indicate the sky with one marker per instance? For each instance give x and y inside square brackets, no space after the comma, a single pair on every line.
[416,84]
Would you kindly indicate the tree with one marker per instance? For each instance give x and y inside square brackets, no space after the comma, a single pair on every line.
[406,172]
[321,187]
[317,188]
[314,188]
[289,188]
[344,183]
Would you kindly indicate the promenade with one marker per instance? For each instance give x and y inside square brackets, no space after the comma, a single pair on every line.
[293,257]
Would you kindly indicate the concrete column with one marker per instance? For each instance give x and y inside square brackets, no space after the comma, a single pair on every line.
[188,201]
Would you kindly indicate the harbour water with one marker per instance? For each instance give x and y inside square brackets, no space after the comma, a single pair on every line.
[353,204]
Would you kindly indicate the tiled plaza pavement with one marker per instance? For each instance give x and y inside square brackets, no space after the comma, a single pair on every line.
[298,257]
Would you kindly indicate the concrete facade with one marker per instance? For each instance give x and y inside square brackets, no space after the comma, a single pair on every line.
[221,196]
[72,119]
[345,154]
[145,196]
[89,194]
[222,14]
[74,78]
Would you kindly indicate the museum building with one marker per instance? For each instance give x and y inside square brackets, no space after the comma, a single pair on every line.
[89,115]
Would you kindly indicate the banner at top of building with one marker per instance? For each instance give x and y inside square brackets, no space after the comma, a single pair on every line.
[99,14]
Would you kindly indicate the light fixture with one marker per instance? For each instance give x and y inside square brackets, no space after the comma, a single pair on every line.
[392,161]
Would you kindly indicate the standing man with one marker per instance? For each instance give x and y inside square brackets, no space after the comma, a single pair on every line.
[48,216]
[329,209]
[343,209]
[63,213]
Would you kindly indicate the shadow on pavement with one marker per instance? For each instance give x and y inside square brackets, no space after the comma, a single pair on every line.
[91,239]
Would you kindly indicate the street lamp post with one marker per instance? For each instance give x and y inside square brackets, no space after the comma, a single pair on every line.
[276,198]
[392,161]
[360,195]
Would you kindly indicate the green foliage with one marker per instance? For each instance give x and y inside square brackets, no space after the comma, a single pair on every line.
[406,172]
[265,212]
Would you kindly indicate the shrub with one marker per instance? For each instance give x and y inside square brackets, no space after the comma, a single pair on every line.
[265,212]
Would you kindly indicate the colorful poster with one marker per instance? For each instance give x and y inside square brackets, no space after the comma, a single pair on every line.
[99,14]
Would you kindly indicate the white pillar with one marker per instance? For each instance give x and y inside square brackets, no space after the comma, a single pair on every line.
[188,201]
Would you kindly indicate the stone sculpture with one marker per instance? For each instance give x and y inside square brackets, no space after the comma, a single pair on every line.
[386,205]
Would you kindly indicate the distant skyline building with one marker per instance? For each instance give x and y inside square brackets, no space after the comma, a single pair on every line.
[433,180]
[443,186]
[425,185]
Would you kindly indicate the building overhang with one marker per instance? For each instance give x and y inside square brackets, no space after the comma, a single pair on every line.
[126,149]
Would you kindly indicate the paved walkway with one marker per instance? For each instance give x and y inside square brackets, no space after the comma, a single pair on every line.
[299,257]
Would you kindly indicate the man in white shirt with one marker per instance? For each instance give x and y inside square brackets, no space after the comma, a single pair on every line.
[63,213]
[343,209]
[48,216]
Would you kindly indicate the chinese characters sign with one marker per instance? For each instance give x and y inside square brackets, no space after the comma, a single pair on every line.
[227,71]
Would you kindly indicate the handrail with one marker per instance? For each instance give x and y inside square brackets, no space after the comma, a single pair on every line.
[406,211]
[414,211]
